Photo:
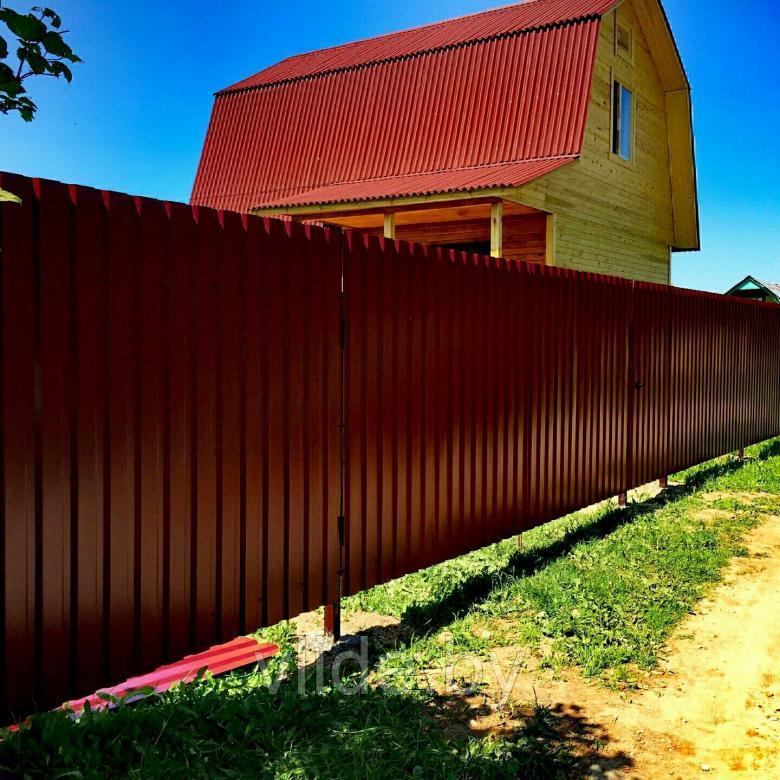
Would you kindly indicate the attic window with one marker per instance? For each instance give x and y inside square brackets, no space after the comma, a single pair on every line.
[624,42]
[622,121]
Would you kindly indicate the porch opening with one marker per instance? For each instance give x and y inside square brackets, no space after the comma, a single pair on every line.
[522,234]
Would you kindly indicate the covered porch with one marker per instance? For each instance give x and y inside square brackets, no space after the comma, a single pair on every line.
[491,225]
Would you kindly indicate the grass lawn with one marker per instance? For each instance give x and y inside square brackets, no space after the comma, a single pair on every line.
[596,591]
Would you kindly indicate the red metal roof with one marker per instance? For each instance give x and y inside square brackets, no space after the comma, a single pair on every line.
[411,185]
[451,32]
[462,104]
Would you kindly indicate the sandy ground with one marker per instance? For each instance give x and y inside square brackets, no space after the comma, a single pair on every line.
[711,710]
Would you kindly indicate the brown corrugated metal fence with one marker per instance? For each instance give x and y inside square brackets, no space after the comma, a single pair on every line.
[170,461]
[486,397]
[171,392]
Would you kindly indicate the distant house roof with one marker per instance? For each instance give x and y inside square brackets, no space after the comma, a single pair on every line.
[494,99]
[750,287]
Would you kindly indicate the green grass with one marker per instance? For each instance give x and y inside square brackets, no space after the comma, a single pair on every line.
[598,591]
[607,588]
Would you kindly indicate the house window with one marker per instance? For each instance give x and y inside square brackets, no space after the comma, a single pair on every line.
[622,120]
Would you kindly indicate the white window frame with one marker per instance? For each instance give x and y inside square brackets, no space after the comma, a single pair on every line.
[615,122]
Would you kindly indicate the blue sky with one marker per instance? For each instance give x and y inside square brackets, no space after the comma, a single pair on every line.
[136,114]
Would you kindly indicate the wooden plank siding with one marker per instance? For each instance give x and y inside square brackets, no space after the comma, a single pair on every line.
[524,235]
[613,216]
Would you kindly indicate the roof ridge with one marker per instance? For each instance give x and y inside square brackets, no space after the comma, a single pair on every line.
[417,53]
[426,26]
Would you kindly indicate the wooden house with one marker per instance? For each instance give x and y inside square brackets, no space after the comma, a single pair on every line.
[550,131]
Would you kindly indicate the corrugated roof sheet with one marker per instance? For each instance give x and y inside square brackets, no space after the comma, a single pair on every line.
[460,180]
[455,105]
[451,32]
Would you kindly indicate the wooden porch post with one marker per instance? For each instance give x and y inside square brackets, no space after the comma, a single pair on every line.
[390,225]
[497,229]
[550,240]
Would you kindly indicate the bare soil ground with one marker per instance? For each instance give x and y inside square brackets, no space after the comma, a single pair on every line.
[711,710]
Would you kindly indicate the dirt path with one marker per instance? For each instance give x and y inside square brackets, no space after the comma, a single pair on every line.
[721,705]
[712,710]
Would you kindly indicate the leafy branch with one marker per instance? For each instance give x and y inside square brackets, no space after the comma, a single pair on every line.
[40,50]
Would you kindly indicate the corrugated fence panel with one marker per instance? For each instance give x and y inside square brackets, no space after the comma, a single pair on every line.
[707,381]
[20,448]
[170,459]
[171,393]
[483,397]
[650,383]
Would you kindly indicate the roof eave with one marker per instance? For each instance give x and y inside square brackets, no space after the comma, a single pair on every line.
[503,190]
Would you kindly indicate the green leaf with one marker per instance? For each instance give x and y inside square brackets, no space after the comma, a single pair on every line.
[55,45]
[6,74]
[56,22]
[23,105]
[61,69]
[9,84]
[26,27]
[12,88]
[3,48]
[31,55]
[27,112]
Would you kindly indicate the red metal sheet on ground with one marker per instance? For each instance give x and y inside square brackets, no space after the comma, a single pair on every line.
[216,660]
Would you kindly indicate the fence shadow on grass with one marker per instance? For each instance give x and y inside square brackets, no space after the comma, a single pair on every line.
[431,616]
[536,741]
[208,729]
